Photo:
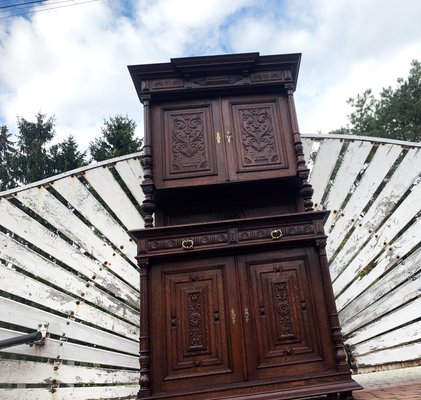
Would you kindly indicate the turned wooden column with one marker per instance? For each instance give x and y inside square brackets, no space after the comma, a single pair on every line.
[144,338]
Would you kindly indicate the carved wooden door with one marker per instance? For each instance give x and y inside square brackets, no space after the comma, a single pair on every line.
[282,326]
[256,133]
[196,330]
[220,140]
[186,135]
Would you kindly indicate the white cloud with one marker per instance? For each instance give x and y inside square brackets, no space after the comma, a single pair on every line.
[71,62]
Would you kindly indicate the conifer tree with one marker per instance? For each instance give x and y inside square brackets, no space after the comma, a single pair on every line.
[7,160]
[117,139]
[66,156]
[395,115]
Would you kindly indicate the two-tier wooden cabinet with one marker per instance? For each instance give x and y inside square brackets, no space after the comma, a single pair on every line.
[236,298]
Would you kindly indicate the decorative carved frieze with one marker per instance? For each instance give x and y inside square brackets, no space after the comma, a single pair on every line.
[230,236]
[217,80]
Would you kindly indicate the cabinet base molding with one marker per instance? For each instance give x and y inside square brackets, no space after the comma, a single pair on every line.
[335,387]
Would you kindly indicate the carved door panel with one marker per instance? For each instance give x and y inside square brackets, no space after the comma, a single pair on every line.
[256,131]
[281,333]
[195,322]
[186,136]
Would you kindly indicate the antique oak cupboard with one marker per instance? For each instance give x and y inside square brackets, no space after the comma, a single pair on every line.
[236,297]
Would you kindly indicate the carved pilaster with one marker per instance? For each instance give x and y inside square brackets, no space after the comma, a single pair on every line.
[144,338]
[306,190]
[340,354]
[148,187]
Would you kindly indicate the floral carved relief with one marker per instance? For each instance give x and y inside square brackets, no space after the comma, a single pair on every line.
[257,135]
[188,142]
[195,334]
[283,309]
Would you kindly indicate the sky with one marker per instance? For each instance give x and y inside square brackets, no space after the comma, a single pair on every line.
[71,61]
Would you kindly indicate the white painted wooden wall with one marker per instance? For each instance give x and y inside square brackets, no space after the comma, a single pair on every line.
[66,259]
[372,187]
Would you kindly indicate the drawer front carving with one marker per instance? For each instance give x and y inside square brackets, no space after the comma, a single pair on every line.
[229,236]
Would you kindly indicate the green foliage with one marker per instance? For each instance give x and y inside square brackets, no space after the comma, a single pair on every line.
[7,156]
[32,158]
[117,139]
[32,161]
[65,156]
[395,115]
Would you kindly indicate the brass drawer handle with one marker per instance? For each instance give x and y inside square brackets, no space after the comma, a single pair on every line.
[187,244]
[275,234]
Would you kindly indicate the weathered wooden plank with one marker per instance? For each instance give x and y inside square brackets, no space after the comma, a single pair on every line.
[352,164]
[384,263]
[307,146]
[130,172]
[394,224]
[327,156]
[102,180]
[395,338]
[87,205]
[24,258]
[29,317]
[397,354]
[80,393]
[395,294]
[23,225]
[30,372]
[373,176]
[62,350]
[320,136]
[29,288]
[58,215]
[402,315]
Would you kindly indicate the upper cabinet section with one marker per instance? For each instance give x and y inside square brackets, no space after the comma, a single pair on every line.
[218,119]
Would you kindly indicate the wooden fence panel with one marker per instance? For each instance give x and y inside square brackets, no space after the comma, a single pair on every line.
[372,178]
[16,313]
[104,183]
[64,220]
[327,157]
[93,211]
[399,183]
[66,259]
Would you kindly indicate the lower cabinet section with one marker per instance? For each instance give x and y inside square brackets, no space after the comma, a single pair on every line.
[244,320]
[239,309]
